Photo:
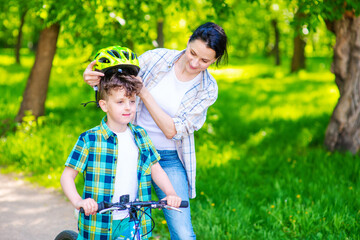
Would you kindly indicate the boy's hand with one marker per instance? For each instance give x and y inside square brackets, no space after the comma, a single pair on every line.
[173,200]
[90,76]
[89,205]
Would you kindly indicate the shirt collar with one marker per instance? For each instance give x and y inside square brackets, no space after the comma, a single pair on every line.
[172,62]
[105,130]
[177,56]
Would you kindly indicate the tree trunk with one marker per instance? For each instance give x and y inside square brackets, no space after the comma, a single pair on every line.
[37,85]
[19,37]
[160,32]
[298,59]
[343,131]
[276,49]
[160,26]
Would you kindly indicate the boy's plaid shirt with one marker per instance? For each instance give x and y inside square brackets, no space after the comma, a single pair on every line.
[95,154]
[191,115]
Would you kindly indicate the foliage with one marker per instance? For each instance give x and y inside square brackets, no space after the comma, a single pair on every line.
[90,25]
[10,14]
[314,10]
[87,26]
[262,170]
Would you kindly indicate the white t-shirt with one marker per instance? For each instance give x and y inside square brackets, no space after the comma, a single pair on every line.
[126,170]
[168,94]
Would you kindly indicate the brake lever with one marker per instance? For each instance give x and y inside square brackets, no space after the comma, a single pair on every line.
[173,208]
[108,209]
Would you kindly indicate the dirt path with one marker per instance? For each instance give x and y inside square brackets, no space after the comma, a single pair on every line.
[28,212]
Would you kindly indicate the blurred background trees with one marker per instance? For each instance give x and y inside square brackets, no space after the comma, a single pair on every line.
[277,29]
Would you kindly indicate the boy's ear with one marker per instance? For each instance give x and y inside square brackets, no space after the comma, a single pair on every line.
[103,105]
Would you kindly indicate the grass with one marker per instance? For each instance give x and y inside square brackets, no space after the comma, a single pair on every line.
[263,172]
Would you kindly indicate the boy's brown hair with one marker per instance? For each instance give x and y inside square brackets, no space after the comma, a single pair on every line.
[129,83]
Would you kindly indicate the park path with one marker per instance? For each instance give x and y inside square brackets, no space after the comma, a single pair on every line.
[31,212]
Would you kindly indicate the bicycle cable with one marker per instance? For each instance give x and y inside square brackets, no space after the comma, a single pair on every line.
[152,221]
[136,228]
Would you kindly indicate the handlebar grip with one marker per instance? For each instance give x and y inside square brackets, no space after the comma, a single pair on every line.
[101,206]
[184,204]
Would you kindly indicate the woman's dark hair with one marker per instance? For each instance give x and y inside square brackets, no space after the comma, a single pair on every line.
[215,38]
[119,81]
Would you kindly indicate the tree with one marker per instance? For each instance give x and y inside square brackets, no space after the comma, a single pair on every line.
[298,58]
[37,85]
[12,15]
[276,49]
[84,23]
[341,17]
[57,14]
[343,131]
[160,27]
[269,21]
[19,37]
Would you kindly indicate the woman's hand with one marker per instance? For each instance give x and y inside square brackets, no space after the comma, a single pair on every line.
[92,77]
[161,118]
[143,89]
[173,200]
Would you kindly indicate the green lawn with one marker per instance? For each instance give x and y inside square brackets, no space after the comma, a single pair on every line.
[263,172]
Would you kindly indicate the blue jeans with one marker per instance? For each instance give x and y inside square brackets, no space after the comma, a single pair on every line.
[179,224]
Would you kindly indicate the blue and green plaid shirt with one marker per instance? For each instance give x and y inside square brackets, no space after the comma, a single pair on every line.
[95,155]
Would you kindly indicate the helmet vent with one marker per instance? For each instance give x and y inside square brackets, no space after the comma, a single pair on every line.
[104,60]
[116,53]
[126,54]
[110,52]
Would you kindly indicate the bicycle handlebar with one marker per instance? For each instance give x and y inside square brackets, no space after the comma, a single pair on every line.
[137,204]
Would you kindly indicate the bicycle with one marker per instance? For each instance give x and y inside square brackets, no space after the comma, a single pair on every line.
[133,208]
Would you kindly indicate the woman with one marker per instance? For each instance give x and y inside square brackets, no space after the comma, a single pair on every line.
[173,103]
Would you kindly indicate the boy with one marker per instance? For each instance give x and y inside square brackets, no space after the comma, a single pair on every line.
[117,158]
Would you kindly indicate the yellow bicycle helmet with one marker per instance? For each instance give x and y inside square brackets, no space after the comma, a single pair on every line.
[115,58]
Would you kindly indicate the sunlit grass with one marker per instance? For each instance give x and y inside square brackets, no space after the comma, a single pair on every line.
[262,170]
[279,182]
[279,95]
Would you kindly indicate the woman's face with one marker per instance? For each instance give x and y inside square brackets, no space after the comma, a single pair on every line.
[198,56]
